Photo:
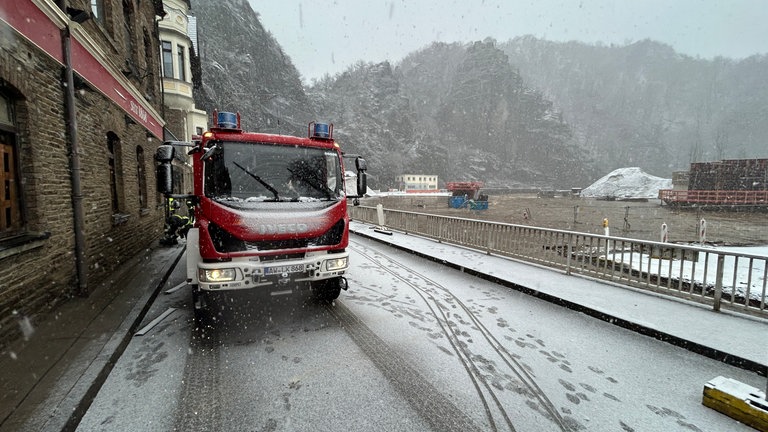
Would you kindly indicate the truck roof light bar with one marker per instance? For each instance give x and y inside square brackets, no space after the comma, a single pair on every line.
[323,131]
[226,120]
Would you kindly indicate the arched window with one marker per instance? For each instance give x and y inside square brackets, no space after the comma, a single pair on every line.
[10,197]
[114,154]
[141,172]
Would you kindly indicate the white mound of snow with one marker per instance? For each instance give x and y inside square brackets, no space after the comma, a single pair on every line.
[627,183]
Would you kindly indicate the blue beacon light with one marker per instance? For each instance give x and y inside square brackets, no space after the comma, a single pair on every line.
[321,130]
[227,120]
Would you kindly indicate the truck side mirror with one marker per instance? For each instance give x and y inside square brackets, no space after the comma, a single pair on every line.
[362,178]
[164,170]
[165,153]
[164,175]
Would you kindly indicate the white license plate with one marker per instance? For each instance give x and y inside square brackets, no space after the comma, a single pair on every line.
[296,268]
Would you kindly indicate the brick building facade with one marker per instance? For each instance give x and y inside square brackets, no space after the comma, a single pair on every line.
[62,231]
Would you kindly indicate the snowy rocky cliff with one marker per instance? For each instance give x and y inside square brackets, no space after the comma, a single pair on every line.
[521,113]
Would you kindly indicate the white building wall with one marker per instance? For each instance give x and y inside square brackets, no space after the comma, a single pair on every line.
[417,181]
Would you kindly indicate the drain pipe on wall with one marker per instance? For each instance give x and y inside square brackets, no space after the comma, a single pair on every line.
[77,194]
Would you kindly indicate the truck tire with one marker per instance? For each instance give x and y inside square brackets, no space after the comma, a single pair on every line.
[327,290]
[201,309]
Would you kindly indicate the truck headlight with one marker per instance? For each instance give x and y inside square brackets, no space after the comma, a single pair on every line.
[335,264]
[217,275]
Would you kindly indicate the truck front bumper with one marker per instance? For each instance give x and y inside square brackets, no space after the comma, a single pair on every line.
[250,273]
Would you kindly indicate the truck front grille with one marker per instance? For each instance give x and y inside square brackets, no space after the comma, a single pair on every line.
[225,242]
[277,244]
[281,257]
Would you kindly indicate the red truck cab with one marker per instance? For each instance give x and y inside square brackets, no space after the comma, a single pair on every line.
[270,210]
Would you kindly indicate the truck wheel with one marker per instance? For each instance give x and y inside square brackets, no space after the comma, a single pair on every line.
[328,289]
[201,308]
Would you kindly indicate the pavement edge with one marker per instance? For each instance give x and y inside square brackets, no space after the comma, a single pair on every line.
[98,372]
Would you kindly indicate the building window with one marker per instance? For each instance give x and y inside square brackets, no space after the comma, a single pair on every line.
[128,27]
[178,180]
[115,171]
[167,60]
[182,69]
[10,198]
[10,204]
[141,172]
[148,56]
[97,10]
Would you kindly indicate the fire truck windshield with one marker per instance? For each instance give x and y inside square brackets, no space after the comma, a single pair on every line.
[259,172]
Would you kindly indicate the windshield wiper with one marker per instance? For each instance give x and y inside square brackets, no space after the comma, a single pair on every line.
[258,179]
[319,186]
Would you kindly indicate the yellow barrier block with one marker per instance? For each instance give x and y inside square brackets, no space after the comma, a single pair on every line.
[737,400]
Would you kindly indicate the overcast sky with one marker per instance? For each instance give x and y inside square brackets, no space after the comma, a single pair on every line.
[328,36]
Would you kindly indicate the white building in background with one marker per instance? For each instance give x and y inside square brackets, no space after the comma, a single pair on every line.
[178,44]
[417,182]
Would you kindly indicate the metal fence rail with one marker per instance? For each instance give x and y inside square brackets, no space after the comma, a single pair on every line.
[715,197]
[710,276]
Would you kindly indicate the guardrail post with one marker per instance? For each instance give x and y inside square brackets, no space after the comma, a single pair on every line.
[568,254]
[488,238]
[719,282]
[380,215]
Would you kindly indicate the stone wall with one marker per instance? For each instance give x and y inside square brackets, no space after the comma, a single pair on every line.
[37,266]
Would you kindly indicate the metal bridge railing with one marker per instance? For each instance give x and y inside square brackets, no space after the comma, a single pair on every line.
[715,277]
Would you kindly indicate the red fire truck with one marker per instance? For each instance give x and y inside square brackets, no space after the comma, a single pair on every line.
[270,211]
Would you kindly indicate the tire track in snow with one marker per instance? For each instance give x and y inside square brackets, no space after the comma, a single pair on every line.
[470,362]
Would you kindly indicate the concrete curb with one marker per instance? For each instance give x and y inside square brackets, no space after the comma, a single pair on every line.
[79,399]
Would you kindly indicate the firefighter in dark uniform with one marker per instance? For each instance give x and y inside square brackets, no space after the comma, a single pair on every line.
[177,224]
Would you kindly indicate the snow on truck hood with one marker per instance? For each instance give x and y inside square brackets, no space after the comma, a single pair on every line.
[276,218]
